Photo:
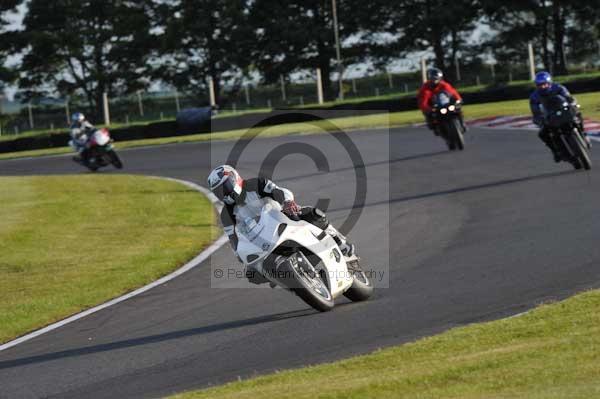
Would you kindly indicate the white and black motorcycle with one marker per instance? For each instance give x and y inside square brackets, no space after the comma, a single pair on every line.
[300,257]
[100,151]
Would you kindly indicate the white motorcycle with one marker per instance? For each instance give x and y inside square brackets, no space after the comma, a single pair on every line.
[300,257]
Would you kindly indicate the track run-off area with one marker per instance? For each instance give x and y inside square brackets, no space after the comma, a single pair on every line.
[458,237]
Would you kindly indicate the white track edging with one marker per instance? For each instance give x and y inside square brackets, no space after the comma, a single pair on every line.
[188,266]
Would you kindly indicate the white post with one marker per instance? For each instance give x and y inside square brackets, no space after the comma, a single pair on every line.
[30,115]
[377,92]
[338,52]
[354,86]
[140,105]
[211,92]
[51,126]
[177,107]
[247,92]
[478,81]
[127,119]
[423,70]
[510,78]
[106,110]
[16,129]
[67,111]
[390,80]
[162,116]
[269,105]
[320,86]
[457,66]
[1,104]
[405,88]
[493,70]
[282,80]
[531,61]
[234,108]
[302,100]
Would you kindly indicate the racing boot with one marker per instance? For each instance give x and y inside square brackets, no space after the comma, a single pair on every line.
[346,247]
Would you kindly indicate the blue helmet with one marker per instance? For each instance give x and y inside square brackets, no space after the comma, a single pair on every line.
[77,117]
[543,80]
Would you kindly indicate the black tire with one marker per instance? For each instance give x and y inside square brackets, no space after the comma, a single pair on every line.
[92,167]
[361,288]
[115,160]
[456,134]
[580,158]
[301,287]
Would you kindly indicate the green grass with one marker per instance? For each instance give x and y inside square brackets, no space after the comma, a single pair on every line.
[551,352]
[118,125]
[590,103]
[71,242]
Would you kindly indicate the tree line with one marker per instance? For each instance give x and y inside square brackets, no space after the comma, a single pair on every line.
[88,47]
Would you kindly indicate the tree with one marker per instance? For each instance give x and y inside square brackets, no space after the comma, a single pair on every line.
[6,75]
[553,26]
[83,46]
[204,39]
[421,25]
[297,35]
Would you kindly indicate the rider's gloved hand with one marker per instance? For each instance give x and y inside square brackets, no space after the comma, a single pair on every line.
[290,208]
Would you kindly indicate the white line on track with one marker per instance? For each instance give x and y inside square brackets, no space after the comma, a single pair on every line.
[188,266]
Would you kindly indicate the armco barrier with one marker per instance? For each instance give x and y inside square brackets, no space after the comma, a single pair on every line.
[168,129]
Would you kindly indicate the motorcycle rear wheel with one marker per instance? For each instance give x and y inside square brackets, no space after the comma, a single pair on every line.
[361,288]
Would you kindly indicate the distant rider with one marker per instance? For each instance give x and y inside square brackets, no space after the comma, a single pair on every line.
[545,89]
[434,85]
[245,198]
[81,131]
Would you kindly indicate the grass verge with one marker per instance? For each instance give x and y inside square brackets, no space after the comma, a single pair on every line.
[551,352]
[71,242]
[590,103]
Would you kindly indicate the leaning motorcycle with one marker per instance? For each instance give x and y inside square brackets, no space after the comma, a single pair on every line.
[301,258]
[100,152]
[446,121]
[561,120]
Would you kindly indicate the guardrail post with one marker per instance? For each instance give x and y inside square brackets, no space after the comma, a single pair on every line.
[320,86]
[140,104]
[423,70]
[67,111]
[31,126]
[177,101]
[531,61]
[283,94]
[211,92]
[106,110]
[247,93]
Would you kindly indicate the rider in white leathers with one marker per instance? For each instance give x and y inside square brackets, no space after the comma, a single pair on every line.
[81,131]
[244,198]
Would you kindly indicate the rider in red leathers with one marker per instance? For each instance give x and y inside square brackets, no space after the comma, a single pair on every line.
[433,86]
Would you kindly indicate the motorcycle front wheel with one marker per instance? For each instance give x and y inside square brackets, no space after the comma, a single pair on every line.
[115,160]
[308,285]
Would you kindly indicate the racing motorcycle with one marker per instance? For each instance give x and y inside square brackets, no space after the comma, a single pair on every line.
[100,152]
[560,118]
[446,121]
[300,257]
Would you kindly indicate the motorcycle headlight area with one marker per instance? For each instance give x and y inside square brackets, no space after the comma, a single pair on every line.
[451,108]
[443,111]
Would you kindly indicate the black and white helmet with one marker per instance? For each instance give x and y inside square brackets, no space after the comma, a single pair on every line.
[435,75]
[225,183]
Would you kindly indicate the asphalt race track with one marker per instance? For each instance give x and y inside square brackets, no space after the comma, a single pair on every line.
[462,237]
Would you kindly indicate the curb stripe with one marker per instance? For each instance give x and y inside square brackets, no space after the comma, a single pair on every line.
[188,266]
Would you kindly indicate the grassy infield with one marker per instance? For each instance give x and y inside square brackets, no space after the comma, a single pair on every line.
[71,242]
[44,222]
